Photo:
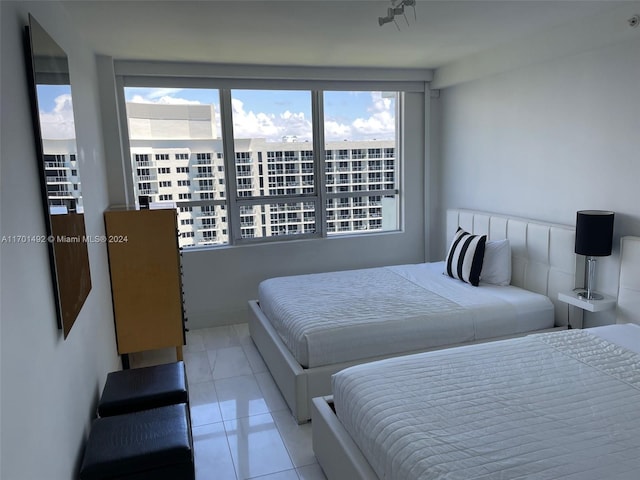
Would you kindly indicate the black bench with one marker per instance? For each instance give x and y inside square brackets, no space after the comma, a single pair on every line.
[127,391]
[153,444]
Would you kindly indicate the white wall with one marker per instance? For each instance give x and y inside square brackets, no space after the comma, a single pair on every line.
[50,386]
[219,282]
[547,139]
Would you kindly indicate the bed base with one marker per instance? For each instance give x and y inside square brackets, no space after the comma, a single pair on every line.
[300,385]
[337,453]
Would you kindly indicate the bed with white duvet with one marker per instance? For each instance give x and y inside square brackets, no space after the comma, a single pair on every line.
[307,327]
[552,405]
[333,317]
[559,405]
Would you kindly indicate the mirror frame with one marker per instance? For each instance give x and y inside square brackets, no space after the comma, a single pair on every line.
[65,228]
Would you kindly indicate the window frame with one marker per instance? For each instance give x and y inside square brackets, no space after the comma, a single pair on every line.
[232,201]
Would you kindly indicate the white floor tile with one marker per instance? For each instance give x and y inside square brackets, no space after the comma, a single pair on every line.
[254,358]
[220,337]
[242,330]
[212,456]
[297,438]
[197,367]
[203,403]
[195,341]
[272,395]
[257,437]
[240,397]
[228,362]
[256,446]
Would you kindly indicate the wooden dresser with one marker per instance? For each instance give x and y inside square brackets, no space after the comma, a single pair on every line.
[146,279]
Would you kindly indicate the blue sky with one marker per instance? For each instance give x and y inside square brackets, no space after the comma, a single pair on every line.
[56,111]
[257,114]
[274,114]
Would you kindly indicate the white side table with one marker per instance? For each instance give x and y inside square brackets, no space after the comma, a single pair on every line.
[572,298]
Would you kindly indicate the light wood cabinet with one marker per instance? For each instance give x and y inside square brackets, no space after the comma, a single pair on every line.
[146,280]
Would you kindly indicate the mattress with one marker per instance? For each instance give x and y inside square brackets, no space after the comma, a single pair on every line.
[561,405]
[336,317]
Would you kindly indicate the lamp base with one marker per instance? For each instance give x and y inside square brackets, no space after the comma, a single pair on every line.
[585,295]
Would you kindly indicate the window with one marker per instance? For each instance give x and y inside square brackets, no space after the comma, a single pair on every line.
[359,168]
[273,178]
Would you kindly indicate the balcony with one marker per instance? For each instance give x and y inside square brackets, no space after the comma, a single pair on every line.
[57,164]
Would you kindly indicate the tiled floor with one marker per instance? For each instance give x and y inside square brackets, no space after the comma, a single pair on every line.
[242,427]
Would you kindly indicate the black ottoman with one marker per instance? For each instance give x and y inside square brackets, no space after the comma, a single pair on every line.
[127,391]
[149,444]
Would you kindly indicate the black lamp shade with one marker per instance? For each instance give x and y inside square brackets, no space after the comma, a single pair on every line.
[594,233]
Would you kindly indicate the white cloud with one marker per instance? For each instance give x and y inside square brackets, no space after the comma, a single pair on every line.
[336,131]
[162,99]
[59,122]
[248,124]
[163,92]
[380,123]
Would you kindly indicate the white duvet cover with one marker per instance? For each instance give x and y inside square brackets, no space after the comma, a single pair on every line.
[340,316]
[562,405]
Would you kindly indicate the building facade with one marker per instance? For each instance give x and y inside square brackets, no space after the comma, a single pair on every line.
[177,157]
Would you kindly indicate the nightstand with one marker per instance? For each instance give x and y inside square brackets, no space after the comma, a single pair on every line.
[572,298]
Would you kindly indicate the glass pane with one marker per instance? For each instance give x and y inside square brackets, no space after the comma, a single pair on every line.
[360,156]
[176,153]
[359,214]
[275,219]
[273,142]
[274,156]
[57,126]
[202,225]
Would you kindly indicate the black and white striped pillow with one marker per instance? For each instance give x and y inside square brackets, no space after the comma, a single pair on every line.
[464,260]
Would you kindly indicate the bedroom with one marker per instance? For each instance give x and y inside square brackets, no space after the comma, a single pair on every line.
[548,163]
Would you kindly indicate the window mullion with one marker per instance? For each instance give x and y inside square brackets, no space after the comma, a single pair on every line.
[317,114]
[228,148]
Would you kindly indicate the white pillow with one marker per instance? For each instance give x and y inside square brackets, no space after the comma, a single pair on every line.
[496,268]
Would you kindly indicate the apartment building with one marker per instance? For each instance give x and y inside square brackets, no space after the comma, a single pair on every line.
[178,158]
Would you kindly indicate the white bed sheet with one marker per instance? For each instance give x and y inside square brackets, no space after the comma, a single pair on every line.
[341,316]
[560,405]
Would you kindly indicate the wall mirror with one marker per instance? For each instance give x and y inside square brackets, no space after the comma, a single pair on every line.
[55,139]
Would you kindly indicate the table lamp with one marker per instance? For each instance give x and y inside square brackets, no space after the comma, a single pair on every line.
[594,238]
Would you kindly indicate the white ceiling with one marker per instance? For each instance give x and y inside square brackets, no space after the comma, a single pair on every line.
[315,33]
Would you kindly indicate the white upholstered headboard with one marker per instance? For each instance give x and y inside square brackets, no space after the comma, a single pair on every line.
[629,286]
[542,254]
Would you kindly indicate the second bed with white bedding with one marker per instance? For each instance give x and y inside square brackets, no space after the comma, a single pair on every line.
[556,405]
[335,317]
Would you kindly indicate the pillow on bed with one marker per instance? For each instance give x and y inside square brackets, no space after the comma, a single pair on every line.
[464,260]
[496,267]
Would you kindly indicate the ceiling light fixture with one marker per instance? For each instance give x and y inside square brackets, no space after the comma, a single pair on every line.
[397,8]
